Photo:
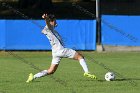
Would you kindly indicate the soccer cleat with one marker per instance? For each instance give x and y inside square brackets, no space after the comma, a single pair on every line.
[30,78]
[90,75]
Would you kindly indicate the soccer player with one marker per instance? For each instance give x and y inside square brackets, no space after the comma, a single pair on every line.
[58,50]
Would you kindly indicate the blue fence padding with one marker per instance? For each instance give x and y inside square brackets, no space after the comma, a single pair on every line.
[26,34]
[78,34]
[121,30]
[2,34]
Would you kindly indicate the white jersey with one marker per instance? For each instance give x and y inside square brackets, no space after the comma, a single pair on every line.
[54,38]
[58,50]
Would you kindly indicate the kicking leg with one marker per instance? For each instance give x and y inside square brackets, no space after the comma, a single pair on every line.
[70,53]
[82,61]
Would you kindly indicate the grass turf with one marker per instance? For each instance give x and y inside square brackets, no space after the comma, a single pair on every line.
[69,76]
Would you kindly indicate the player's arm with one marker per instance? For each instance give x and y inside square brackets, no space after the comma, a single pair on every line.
[47,20]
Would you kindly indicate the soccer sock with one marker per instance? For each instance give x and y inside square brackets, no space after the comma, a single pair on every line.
[41,74]
[84,65]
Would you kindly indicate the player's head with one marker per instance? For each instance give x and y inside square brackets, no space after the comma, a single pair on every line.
[52,19]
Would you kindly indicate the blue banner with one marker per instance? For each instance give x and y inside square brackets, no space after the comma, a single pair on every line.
[26,34]
[2,34]
[121,30]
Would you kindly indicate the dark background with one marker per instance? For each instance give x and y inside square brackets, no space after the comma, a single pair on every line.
[65,10]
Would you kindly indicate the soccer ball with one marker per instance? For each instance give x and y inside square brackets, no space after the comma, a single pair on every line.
[109,76]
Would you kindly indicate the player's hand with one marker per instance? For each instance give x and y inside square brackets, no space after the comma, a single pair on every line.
[44,16]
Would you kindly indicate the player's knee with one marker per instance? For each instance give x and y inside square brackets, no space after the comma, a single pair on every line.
[79,56]
[50,71]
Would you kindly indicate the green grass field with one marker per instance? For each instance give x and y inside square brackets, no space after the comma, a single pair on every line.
[69,76]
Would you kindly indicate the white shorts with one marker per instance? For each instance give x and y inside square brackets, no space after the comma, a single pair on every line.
[64,53]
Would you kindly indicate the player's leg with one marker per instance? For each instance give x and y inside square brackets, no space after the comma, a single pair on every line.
[82,62]
[51,70]
[70,53]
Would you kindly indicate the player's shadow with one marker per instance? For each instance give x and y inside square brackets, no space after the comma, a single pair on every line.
[125,79]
